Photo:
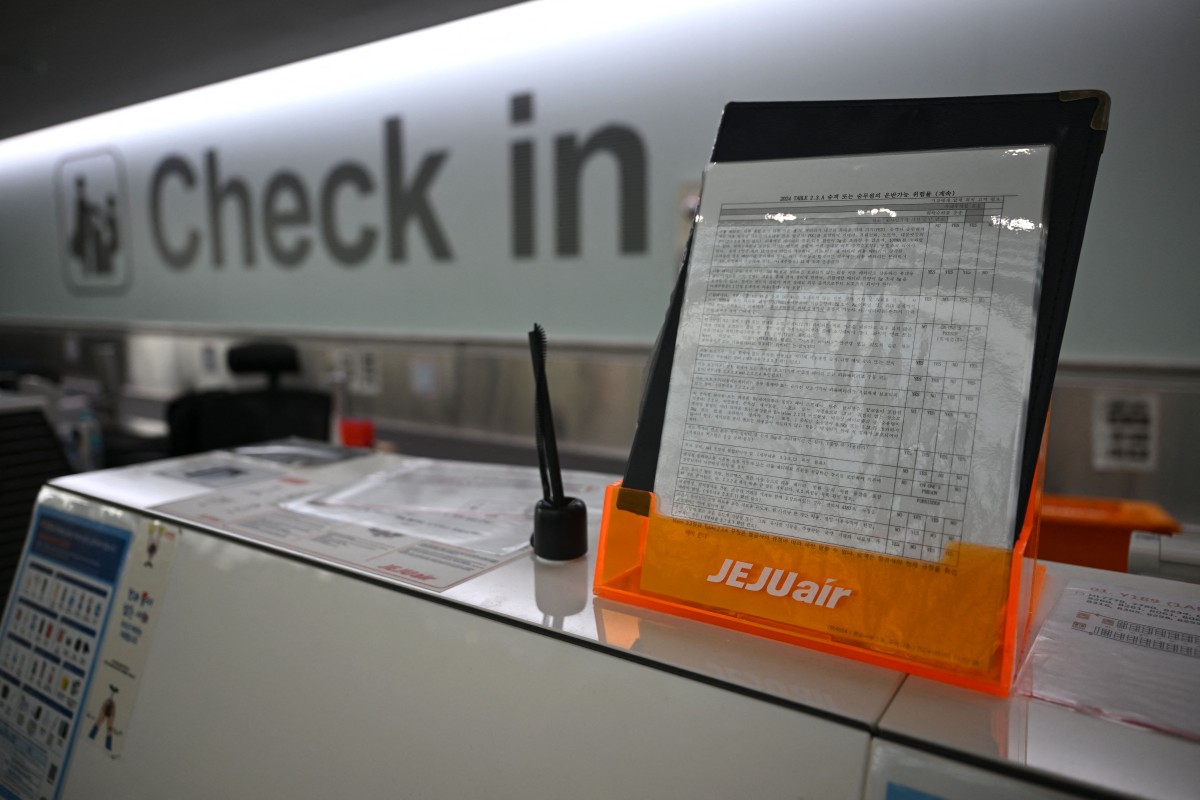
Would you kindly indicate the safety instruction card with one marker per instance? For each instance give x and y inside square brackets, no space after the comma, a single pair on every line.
[53,630]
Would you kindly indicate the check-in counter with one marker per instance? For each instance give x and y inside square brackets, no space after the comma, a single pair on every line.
[263,671]
[272,675]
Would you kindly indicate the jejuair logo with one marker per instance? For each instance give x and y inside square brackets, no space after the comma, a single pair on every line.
[91,215]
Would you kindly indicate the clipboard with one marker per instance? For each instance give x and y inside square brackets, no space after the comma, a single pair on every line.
[1075,123]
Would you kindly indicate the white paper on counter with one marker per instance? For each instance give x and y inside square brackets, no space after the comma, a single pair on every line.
[487,507]
[419,521]
[1123,654]
[256,512]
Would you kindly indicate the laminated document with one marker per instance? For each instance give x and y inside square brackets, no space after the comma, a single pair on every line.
[415,520]
[483,507]
[854,353]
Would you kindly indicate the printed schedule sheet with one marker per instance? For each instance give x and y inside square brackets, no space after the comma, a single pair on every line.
[854,351]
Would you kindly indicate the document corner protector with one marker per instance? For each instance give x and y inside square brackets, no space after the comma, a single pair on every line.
[1100,116]
[634,501]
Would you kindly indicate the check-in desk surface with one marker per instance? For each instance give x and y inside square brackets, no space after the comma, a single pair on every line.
[274,676]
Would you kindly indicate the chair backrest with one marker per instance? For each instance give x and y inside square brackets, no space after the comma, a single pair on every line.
[200,421]
[270,358]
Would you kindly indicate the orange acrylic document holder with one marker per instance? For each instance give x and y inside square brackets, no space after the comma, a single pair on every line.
[957,615]
[961,620]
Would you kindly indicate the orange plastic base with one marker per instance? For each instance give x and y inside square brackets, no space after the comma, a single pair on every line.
[961,621]
[1094,532]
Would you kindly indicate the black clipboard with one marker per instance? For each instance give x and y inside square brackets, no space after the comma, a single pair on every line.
[1074,122]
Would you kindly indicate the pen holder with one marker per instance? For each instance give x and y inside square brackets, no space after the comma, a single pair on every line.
[560,532]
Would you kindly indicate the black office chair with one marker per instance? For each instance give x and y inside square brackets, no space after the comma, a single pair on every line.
[212,420]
